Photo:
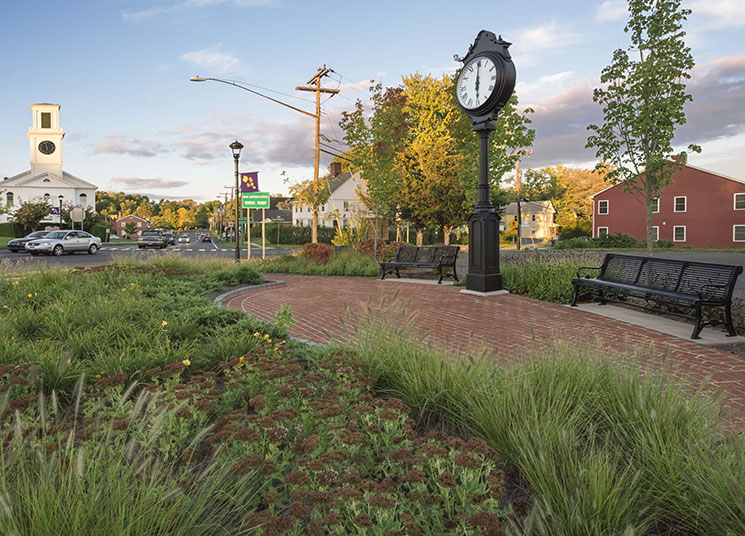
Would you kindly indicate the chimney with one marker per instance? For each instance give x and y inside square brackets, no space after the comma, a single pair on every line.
[335,168]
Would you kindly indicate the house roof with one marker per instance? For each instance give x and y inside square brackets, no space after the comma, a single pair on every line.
[741,181]
[25,177]
[530,207]
[133,216]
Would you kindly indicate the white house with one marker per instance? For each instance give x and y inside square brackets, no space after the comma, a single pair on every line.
[46,179]
[343,202]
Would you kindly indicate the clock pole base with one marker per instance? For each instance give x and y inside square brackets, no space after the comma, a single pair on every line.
[484,282]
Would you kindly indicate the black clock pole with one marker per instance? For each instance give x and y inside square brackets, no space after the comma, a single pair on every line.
[483,225]
[498,73]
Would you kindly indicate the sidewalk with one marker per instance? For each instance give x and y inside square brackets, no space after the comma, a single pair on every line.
[507,325]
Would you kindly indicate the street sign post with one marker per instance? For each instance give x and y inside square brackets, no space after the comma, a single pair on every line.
[255,200]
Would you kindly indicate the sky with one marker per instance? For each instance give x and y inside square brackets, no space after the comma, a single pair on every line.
[134,122]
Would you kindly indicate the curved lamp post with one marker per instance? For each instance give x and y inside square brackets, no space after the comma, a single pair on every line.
[236,147]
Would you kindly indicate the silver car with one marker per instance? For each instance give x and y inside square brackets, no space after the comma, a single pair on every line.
[59,242]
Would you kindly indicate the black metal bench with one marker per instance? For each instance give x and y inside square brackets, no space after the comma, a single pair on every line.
[433,257]
[686,284]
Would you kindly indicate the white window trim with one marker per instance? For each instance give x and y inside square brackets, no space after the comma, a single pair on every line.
[675,204]
[607,207]
[658,206]
[598,231]
[734,200]
[684,232]
[657,232]
[733,233]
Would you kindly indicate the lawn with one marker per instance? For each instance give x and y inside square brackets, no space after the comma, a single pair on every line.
[131,404]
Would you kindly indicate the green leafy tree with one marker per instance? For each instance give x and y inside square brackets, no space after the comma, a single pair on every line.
[643,102]
[312,194]
[30,214]
[130,228]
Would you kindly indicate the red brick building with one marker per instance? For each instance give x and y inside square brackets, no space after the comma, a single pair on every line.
[700,209]
[140,224]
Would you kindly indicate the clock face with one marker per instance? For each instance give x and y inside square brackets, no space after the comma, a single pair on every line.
[46,147]
[476,82]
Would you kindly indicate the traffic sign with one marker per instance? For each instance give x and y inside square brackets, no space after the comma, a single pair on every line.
[256,200]
[513,224]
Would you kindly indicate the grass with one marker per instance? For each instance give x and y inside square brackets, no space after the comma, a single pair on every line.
[347,262]
[4,241]
[603,451]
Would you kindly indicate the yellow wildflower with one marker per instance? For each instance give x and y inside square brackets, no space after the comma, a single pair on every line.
[16,283]
[30,295]
[98,376]
[69,362]
[163,324]
[35,294]
[257,334]
[186,362]
[266,335]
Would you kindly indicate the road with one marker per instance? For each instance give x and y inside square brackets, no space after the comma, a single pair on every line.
[112,251]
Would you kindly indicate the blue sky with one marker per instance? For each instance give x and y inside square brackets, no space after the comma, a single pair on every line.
[134,122]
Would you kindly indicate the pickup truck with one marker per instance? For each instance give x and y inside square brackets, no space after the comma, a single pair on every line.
[152,239]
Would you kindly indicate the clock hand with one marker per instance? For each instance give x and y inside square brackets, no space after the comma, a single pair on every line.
[478,68]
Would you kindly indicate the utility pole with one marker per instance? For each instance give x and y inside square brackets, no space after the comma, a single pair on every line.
[519,214]
[232,209]
[317,89]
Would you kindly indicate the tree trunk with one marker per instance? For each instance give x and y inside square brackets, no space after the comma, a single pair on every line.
[649,195]
[314,228]
[446,234]
[419,237]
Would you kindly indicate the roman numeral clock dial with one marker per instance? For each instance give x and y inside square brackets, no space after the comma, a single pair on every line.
[476,82]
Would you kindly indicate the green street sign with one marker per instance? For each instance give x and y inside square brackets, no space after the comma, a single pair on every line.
[256,200]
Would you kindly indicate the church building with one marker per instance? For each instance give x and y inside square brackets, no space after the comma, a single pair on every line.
[46,180]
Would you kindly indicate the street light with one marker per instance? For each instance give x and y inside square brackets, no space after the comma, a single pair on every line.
[236,147]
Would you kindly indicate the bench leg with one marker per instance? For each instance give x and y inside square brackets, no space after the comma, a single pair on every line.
[455,274]
[382,272]
[439,270]
[699,324]
[730,326]
[397,274]
[574,298]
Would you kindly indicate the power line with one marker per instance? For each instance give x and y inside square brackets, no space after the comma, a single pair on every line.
[275,91]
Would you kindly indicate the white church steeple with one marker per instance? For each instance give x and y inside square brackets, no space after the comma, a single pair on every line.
[45,137]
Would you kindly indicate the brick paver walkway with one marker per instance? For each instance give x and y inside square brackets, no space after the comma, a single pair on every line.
[326,309]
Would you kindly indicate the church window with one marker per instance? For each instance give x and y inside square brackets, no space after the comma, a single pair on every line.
[46,197]
[83,200]
[46,120]
[46,180]
[9,198]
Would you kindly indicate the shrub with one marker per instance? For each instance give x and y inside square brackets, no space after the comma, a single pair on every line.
[391,248]
[580,228]
[317,252]
[663,244]
[610,241]
[367,247]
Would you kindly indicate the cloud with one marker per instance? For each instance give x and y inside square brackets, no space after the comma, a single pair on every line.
[117,144]
[149,14]
[538,42]
[545,84]
[717,14]
[139,183]
[612,10]
[212,60]
[716,112]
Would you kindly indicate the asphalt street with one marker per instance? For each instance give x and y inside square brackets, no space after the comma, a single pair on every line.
[111,251]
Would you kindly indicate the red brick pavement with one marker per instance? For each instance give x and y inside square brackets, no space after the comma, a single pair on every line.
[326,308]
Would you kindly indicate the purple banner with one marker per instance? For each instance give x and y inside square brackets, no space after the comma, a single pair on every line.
[250,182]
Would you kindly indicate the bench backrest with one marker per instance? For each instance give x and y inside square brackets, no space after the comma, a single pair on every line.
[406,253]
[426,255]
[446,251]
[687,277]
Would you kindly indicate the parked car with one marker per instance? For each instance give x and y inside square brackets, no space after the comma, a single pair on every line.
[184,239]
[152,238]
[59,242]
[170,240]
[19,244]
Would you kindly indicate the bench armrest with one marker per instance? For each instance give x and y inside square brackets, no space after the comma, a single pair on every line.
[587,268]
[448,259]
[700,294]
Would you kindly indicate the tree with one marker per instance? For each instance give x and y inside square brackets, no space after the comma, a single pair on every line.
[309,193]
[30,214]
[130,228]
[643,101]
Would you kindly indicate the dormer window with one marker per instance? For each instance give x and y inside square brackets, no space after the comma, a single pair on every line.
[46,120]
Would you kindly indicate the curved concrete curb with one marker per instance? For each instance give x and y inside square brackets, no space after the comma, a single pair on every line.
[232,292]
[237,290]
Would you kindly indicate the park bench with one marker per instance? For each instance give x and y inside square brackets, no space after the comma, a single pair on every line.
[684,284]
[432,257]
